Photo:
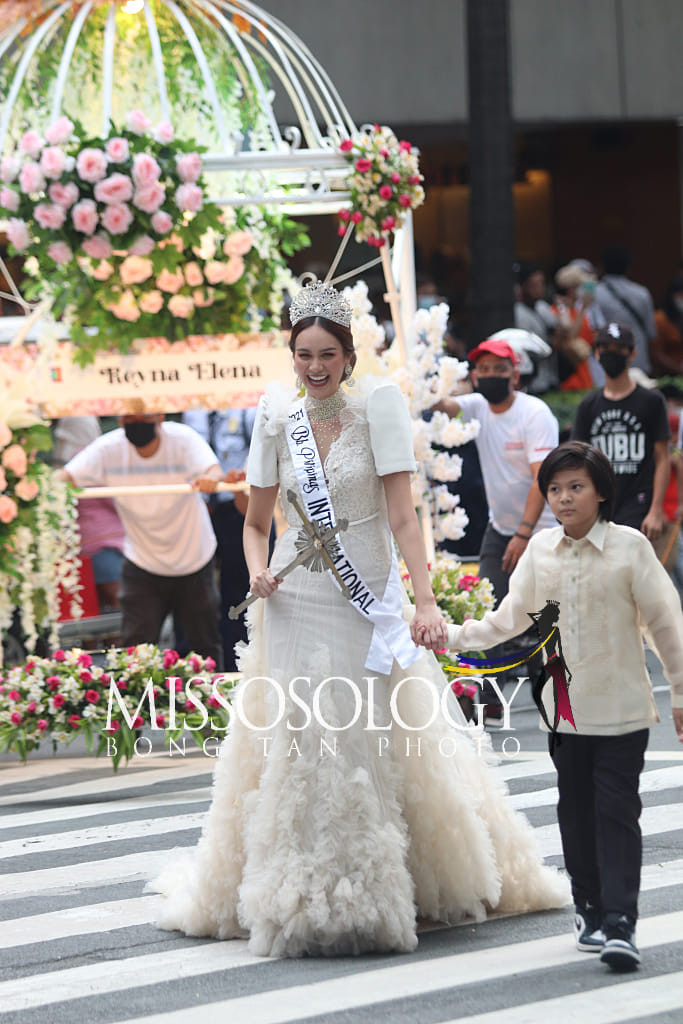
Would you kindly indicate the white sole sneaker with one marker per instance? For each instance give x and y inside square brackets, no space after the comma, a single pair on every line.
[620,955]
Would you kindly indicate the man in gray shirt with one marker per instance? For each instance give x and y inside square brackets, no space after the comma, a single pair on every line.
[622,300]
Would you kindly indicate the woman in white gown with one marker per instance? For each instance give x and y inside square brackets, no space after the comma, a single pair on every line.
[340,814]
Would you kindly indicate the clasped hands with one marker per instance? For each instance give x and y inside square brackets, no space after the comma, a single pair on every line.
[428,628]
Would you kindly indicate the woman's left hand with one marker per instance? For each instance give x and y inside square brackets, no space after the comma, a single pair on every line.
[428,628]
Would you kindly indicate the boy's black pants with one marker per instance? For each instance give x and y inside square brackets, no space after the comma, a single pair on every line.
[598,812]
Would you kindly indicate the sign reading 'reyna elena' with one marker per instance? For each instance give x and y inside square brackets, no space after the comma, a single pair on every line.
[212,374]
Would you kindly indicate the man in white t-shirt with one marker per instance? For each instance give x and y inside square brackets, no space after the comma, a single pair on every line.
[170,543]
[517,432]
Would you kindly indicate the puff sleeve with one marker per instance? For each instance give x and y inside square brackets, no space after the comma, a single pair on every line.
[391,431]
[262,462]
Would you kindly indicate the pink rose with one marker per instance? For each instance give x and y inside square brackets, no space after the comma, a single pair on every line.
[60,132]
[84,216]
[9,168]
[117,188]
[142,246]
[356,216]
[31,143]
[215,272]
[181,306]
[170,658]
[203,297]
[9,199]
[135,269]
[149,198]
[50,216]
[138,722]
[84,660]
[117,150]
[152,303]
[14,695]
[189,197]
[209,664]
[238,243]
[63,195]
[404,200]
[74,721]
[59,655]
[164,132]
[388,224]
[405,146]
[189,166]
[92,696]
[162,222]
[42,724]
[395,177]
[103,271]
[60,252]
[14,459]
[17,234]
[160,721]
[91,164]
[173,682]
[114,727]
[146,170]
[16,718]
[31,178]
[363,165]
[169,281]
[346,145]
[126,308]
[138,122]
[386,191]
[234,269]
[98,247]
[415,179]
[31,707]
[52,162]
[26,489]
[117,218]
[85,677]
[58,701]
[190,706]
[193,275]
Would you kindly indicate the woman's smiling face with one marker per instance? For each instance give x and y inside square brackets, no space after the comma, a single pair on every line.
[320,361]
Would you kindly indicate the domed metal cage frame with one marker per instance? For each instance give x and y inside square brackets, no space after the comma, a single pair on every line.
[298,165]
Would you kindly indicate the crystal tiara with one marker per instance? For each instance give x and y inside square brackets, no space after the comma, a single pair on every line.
[323,300]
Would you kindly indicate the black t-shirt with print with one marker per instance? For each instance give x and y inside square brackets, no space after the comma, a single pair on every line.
[626,431]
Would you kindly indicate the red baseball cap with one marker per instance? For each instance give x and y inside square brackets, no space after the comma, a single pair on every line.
[495,347]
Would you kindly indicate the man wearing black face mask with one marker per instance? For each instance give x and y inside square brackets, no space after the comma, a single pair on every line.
[629,424]
[170,543]
[516,433]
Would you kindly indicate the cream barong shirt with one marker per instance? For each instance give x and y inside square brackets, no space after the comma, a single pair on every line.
[612,592]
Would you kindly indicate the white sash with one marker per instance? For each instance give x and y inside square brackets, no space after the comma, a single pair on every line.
[391,635]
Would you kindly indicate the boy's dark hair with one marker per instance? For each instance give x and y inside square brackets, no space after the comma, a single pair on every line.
[616,259]
[578,455]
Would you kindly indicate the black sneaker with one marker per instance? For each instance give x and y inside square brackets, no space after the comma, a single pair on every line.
[619,952]
[589,936]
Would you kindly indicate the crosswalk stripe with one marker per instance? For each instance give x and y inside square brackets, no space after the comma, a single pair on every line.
[655,781]
[66,878]
[368,987]
[653,821]
[73,812]
[78,838]
[599,1006]
[88,920]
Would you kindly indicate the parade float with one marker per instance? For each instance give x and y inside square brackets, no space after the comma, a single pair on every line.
[155,155]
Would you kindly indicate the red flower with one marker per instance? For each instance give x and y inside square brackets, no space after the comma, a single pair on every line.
[213,702]
[195,663]
[92,696]
[404,200]
[190,706]
[170,658]
[29,666]
[386,191]
[388,224]
[85,661]
[160,720]
[52,682]
[59,655]
[356,217]
[32,707]
[395,177]
[384,153]
[42,724]
[406,146]
[85,677]
[177,683]
[344,215]
[209,664]
[15,718]
[104,679]
[122,685]
[58,700]
[130,651]
[138,722]
[363,165]
[114,727]
[346,145]
[414,179]
[74,721]
[14,695]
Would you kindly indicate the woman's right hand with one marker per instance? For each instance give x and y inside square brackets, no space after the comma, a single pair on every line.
[263,583]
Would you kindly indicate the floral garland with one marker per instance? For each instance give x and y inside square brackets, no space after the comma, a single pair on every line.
[385,183]
[121,234]
[68,695]
[39,542]
[426,377]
